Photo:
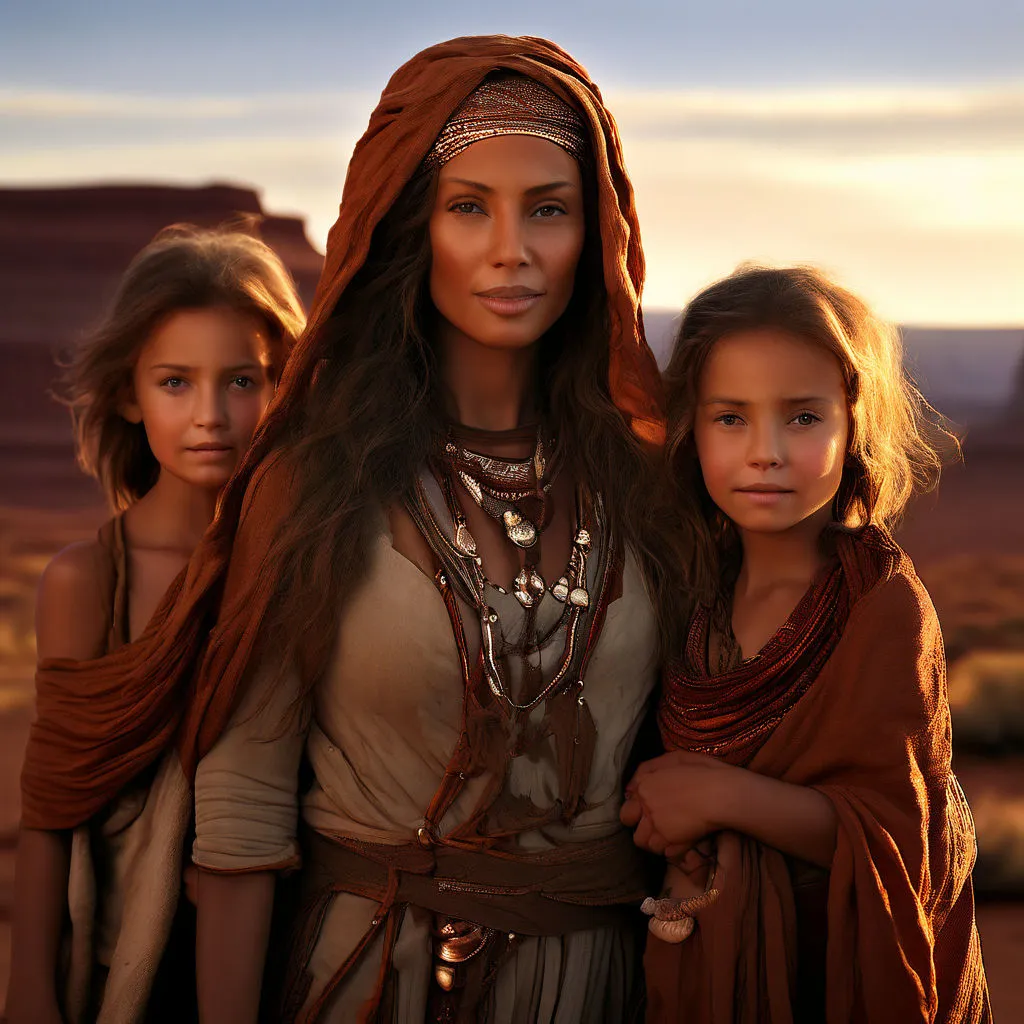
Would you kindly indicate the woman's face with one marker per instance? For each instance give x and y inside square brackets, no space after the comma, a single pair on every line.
[506,234]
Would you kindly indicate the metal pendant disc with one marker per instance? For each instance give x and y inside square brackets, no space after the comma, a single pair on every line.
[560,591]
[464,540]
[523,533]
[522,589]
[579,598]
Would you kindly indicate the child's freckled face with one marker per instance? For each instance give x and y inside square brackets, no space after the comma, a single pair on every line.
[771,429]
[201,383]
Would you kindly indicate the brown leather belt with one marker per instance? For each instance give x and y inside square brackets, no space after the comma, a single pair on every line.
[551,892]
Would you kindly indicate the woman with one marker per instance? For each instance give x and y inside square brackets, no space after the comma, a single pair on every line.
[436,588]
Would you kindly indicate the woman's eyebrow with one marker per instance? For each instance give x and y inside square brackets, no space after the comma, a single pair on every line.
[551,186]
[479,186]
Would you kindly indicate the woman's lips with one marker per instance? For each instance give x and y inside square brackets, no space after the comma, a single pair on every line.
[509,302]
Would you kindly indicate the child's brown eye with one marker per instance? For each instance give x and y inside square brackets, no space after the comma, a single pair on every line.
[806,419]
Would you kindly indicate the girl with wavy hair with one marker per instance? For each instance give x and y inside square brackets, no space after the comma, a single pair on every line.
[165,396]
[429,583]
[819,846]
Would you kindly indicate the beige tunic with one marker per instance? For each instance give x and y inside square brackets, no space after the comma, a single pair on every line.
[385,723]
[125,870]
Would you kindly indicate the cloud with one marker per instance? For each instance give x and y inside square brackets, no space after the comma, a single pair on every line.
[58,105]
[911,194]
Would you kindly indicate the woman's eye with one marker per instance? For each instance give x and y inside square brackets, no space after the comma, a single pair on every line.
[728,419]
[465,207]
[243,382]
[172,383]
[806,419]
[548,211]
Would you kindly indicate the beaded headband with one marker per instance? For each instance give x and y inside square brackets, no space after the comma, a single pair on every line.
[510,105]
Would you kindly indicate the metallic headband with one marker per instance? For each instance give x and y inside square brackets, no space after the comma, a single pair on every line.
[510,105]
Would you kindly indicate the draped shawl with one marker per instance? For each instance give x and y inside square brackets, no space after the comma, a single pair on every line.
[101,722]
[872,733]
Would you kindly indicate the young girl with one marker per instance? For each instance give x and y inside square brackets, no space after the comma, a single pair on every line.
[165,397]
[806,716]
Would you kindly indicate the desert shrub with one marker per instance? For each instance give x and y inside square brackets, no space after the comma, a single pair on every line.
[986,696]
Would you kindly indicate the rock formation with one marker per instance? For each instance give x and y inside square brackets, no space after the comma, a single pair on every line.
[62,252]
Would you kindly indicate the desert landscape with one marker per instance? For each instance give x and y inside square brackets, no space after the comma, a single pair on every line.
[61,252]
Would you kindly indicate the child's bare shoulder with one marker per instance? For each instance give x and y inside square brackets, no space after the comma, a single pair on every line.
[73,603]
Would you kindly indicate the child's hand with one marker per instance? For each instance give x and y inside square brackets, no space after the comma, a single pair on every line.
[672,798]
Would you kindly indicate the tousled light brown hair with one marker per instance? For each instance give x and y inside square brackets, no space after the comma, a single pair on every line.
[895,436]
[184,267]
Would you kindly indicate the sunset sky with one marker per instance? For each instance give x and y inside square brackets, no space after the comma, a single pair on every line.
[883,139]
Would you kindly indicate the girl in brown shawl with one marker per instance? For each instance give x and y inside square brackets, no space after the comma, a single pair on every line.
[806,716]
[428,582]
[165,396]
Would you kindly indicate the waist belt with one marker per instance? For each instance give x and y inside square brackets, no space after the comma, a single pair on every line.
[568,888]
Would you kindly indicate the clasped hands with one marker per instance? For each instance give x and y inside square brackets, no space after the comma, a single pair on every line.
[675,800]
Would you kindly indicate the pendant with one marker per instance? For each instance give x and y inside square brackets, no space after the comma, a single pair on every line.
[523,595]
[583,539]
[579,598]
[464,540]
[473,487]
[520,531]
[560,590]
[529,587]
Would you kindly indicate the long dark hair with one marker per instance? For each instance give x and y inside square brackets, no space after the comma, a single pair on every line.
[372,416]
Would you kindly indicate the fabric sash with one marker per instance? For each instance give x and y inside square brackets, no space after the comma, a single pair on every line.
[730,715]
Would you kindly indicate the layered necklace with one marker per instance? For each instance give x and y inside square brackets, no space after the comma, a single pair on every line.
[514,492]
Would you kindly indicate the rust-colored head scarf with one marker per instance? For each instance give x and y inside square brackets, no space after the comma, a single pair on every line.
[101,722]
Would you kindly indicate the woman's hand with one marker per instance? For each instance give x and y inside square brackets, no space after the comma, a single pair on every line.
[671,801]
